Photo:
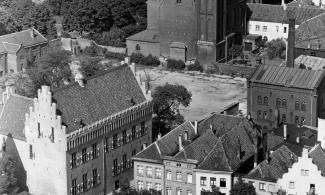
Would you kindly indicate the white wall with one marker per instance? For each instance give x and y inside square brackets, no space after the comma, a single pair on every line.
[208,175]
[46,171]
[302,183]
[273,30]
[270,187]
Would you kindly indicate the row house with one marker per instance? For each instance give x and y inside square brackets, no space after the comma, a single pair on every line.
[194,159]
[79,139]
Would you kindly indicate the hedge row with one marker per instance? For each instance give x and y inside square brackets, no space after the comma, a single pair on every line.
[145,60]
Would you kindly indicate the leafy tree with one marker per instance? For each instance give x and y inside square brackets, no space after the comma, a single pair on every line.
[132,191]
[275,48]
[8,181]
[90,66]
[242,188]
[166,102]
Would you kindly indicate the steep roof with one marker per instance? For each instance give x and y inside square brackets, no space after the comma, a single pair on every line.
[199,148]
[232,149]
[24,38]
[318,156]
[103,95]
[220,123]
[273,168]
[12,118]
[287,77]
[146,36]
[301,3]
[276,13]
[315,63]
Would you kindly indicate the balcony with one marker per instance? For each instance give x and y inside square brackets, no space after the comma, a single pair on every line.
[128,138]
[122,167]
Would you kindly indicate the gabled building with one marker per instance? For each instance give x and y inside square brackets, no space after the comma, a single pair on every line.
[19,49]
[80,138]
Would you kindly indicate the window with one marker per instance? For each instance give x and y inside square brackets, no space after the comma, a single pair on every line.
[297,120]
[297,105]
[84,182]
[189,192]
[203,181]
[133,132]
[291,185]
[95,153]
[117,184]
[265,114]
[39,129]
[143,126]
[303,106]
[284,118]
[259,100]
[179,176]
[189,178]
[304,172]
[106,144]
[264,28]
[124,136]
[178,164]
[114,141]
[31,153]
[178,191]
[213,181]
[134,152]
[223,182]
[266,100]
[278,102]
[149,171]
[168,191]
[158,187]
[189,166]
[115,166]
[140,185]
[262,187]
[252,183]
[168,175]
[277,28]
[149,185]
[140,170]
[259,114]
[257,28]
[284,103]
[285,30]
[158,173]
[74,187]
[52,135]
[137,47]
[95,177]
[124,157]
[303,121]
[312,53]
[178,1]
[84,155]
[271,188]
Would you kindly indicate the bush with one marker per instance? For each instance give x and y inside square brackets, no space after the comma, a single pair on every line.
[175,64]
[275,48]
[195,67]
[145,60]
[118,56]
[94,50]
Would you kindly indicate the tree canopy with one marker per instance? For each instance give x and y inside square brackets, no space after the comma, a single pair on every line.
[8,180]
[242,188]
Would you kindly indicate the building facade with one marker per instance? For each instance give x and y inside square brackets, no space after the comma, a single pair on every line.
[285,95]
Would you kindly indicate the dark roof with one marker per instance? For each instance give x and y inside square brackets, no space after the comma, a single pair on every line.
[318,157]
[273,168]
[301,3]
[146,36]
[220,123]
[104,94]
[168,144]
[276,13]
[287,77]
[23,38]
[199,148]
[12,119]
[232,149]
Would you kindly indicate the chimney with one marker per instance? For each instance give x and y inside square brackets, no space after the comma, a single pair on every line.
[267,156]
[298,139]
[32,34]
[249,116]
[144,146]
[305,152]
[186,135]
[211,126]
[180,142]
[133,68]
[196,127]
[282,3]
[159,136]
[285,133]
[127,60]
[291,39]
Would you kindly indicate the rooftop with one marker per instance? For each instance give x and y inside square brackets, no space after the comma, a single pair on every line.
[310,62]
[287,77]
[102,95]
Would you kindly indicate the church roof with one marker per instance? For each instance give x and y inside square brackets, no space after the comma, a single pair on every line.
[103,94]
[287,77]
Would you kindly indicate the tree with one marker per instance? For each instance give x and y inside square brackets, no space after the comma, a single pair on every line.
[90,66]
[8,181]
[242,188]
[275,48]
[132,191]
[166,102]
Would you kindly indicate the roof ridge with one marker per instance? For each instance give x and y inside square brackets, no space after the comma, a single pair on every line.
[21,96]
[174,129]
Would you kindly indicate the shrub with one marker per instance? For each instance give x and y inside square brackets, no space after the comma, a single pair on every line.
[195,67]
[145,60]
[94,50]
[275,48]
[175,64]
[118,56]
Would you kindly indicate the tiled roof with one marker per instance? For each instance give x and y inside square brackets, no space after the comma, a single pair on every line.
[232,149]
[146,36]
[318,156]
[199,148]
[24,38]
[278,163]
[151,152]
[103,95]
[315,63]
[287,77]
[220,123]
[12,119]
[276,13]
[301,3]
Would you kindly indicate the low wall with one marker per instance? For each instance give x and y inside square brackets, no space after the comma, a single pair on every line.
[86,43]
[234,70]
